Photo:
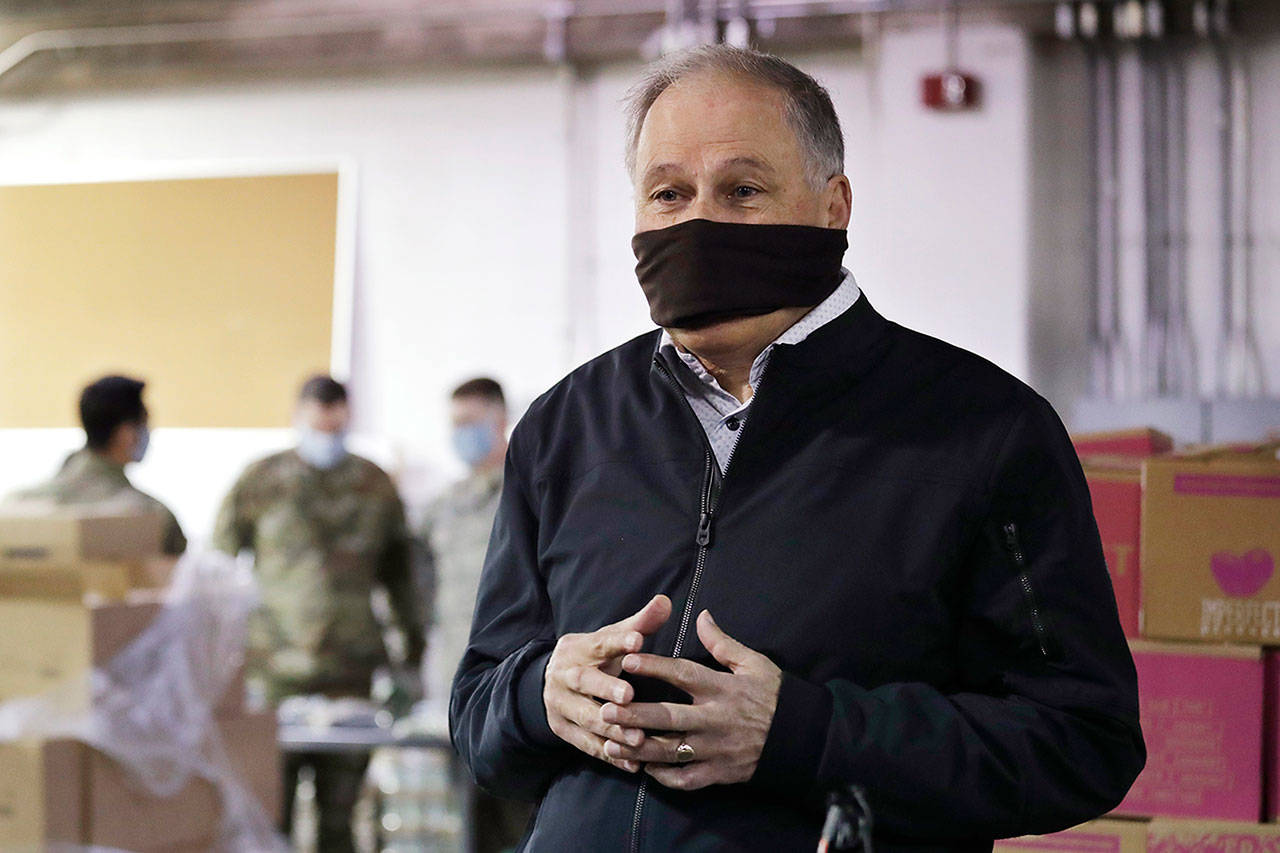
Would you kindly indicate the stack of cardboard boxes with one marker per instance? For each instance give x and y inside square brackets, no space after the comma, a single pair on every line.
[1191,540]
[76,587]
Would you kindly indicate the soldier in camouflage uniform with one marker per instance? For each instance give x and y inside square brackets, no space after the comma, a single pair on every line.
[325,527]
[455,531]
[115,426]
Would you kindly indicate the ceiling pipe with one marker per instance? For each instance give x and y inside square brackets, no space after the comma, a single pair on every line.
[554,17]
[1155,168]
[140,35]
[689,23]
[1181,358]
[1239,358]
[1111,361]
[737,27]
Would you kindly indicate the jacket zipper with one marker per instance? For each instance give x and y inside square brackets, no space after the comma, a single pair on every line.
[1028,592]
[635,818]
[703,540]
[706,513]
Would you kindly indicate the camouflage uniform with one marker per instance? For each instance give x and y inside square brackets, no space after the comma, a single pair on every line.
[322,540]
[87,477]
[455,531]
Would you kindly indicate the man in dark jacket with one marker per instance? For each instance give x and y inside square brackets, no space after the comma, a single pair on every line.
[783,545]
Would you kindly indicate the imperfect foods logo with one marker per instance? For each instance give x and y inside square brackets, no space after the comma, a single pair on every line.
[1242,575]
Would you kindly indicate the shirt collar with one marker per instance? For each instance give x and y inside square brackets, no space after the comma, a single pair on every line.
[840,300]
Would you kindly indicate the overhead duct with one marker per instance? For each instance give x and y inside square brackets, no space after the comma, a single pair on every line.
[1239,359]
[689,23]
[1111,362]
[1181,377]
[1152,51]
[140,41]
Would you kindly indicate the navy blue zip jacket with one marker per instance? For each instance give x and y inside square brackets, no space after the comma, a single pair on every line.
[903,528]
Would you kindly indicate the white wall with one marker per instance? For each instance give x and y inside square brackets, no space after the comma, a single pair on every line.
[495,217]
[940,229]
[460,247]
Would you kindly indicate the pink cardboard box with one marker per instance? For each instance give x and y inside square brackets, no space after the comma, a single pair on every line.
[1202,710]
[1211,836]
[1097,836]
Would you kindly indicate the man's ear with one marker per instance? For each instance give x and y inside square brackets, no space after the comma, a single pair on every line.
[839,202]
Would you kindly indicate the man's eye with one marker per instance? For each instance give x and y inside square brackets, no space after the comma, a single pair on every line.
[666,196]
[744,191]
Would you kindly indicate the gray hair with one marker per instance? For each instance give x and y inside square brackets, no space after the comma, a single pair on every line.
[809,111]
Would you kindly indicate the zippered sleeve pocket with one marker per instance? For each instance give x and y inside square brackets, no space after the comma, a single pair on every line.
[1037,616]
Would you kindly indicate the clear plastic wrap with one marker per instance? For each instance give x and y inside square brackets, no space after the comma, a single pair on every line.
[152,705]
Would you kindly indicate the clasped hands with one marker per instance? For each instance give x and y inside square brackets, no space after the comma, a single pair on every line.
[590,707]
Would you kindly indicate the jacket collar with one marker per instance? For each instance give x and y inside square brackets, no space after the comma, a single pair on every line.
[841,343]
[803,377]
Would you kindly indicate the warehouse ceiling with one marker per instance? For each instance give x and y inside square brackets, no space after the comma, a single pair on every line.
[57,45]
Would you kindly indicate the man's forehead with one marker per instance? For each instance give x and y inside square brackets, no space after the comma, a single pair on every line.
[708,100]
[671,168]
[720,85]
[737,119]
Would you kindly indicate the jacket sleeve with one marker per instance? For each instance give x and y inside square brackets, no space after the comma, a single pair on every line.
[1040,730]
[496,715]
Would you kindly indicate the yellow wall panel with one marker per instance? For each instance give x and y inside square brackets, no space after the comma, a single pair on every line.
[218,291]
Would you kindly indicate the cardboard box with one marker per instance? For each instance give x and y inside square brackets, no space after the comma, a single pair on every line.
[106,581]
[1116,493]
[47,642]
[152,572]
[233,700]
[1131,443]
[44,643]
[40,534]
[1209,544]
[1206,836]
[33,806]
[1201,709]
[1098,836]
[64,791]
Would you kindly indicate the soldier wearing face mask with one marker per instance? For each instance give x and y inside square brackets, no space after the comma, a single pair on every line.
[455,533]
[116,434]
[325,527]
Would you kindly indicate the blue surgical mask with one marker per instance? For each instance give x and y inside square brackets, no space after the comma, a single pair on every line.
[322,450]
[474,442]
[140,446]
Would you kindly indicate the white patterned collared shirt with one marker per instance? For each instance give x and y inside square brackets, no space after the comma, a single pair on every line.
[721,414]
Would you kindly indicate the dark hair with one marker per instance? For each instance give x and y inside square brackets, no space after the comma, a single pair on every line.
[324,389]
[109,403]
[482,388]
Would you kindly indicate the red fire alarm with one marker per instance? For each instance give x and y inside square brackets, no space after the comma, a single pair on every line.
[950,90]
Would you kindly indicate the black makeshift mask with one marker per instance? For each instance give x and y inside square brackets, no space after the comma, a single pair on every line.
[701,272]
